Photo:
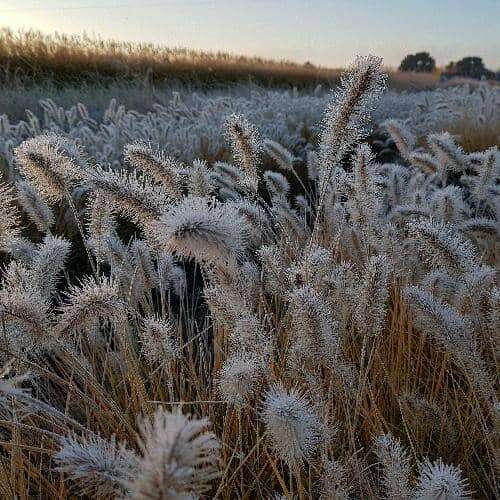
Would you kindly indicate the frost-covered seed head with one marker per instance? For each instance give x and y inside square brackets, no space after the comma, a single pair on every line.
[292,424]
[179,457]
[99,467]
[238,379]
[439,480]
[202,229]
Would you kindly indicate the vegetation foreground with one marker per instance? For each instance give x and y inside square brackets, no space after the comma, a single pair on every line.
[176,332]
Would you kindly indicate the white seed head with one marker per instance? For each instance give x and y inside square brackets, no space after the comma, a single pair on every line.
[292,424]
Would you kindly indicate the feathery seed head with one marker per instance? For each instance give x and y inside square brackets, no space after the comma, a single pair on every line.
[99,467]
[396,467]
[134,196]
[347,116]
[202,229]
[163,169]
[451,155]
[199,179]
[37,209]
[179,457]
[246,145]
[239,377]
[292,423]
[276,183]
[283,158]
[88,304]
[402,137]
[9,217]
[439,480]
[159,343]
[47,163]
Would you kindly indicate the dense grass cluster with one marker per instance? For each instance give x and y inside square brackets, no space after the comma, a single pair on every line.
[33,57]
[212,329]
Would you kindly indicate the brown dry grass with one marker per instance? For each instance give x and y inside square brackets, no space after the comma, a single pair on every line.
[32,56]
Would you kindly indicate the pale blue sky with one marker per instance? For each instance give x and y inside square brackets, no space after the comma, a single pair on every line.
[327,32]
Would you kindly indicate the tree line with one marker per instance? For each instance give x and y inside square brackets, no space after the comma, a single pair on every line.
[469,67]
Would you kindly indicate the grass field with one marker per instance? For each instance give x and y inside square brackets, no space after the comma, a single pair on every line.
[32,57]
[244,291]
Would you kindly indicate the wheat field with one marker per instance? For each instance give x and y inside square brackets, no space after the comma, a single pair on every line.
[262,296]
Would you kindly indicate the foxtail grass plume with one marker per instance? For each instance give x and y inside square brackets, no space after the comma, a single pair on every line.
[9,216]
[246,146]
[133,196]
[439,480]
[395,467]
[292,424]
[159,343]
[402,137]
[347,115]
[88,304]
[443,247]
[38,211]
[100,468]
[46,162]
[276,183]
[239,377]
[283,158]
[179,457]
[47,264]
[451,155]
[199,179]
[202,229]
[163,169]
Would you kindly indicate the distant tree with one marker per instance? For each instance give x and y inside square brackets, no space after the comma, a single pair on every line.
[421,62]
[470,67]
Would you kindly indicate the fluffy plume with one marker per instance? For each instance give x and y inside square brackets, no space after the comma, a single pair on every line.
[246,147]
[452,332]
[347,115]
[371,307]
[402,137]
[101,224]
[199,179]
[179,457]
[28,313]
[438,480]
[36,208]
[47,263]
[283,158]
[292,424]
[315,332]
[133,196]
[450,154]
[448,204]
[163,169]
[202,229]
[159,344]
[424,161]
[46,162]
[441,246]
[99,467]
[333,483]
[9,216]
[89,303]
[364,203]
[487,174]
[239,377]
[276,183]
[396,467]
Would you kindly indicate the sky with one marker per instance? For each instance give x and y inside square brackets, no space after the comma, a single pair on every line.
[325,32]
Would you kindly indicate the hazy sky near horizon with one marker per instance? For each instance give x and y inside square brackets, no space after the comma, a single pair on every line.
[326,32]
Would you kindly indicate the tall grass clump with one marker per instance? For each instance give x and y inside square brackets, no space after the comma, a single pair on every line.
[203,330]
